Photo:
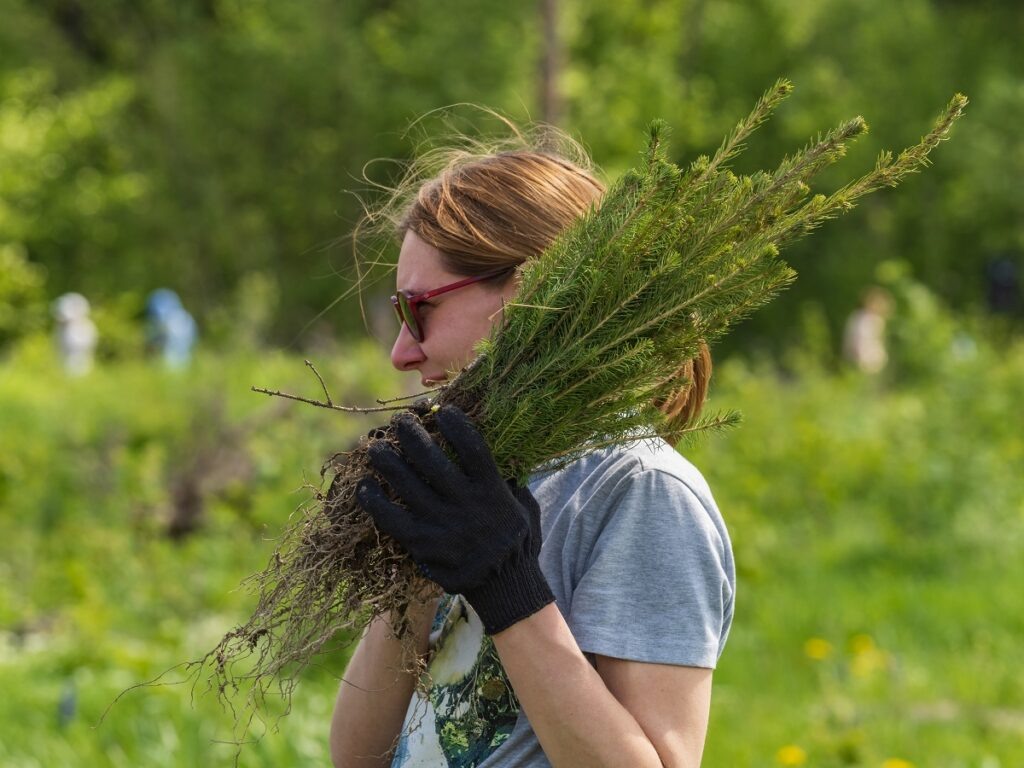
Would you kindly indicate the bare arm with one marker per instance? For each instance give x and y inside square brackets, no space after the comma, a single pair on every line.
[374,695]
[622,713]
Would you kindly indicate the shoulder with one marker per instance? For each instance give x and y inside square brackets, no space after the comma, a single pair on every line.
[666,495]
[636,543]
[609,476]
[657,460]
[639,495]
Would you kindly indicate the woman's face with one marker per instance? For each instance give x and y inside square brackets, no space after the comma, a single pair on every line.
[452,322]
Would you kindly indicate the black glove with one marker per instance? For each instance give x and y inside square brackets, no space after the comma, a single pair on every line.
[467,529]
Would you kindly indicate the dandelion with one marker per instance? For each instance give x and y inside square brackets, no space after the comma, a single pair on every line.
[792,755]
[817,648]
[862,643]
[868,658]
[896,762]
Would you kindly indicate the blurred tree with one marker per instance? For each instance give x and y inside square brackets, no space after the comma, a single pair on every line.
[190,143]
[551,63]
[893,62]
[22,308]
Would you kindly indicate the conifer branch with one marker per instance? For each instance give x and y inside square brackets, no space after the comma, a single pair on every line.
[763,109]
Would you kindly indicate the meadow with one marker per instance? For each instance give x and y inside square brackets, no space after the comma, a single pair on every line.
[877,524]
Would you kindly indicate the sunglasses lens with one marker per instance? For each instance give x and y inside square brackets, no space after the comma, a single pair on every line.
[407,316]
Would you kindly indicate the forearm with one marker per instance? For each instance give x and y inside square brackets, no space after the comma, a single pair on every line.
[374,695]
[578,721]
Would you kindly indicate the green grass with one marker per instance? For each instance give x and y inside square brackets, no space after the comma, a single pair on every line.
[883,524]
[95,598]
[877,527]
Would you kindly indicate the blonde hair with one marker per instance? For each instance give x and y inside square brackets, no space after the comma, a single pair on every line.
[499,210]
[490,206]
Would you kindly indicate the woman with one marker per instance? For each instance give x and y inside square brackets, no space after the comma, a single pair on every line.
[582,615]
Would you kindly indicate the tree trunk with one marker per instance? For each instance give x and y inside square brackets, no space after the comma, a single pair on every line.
[551,64]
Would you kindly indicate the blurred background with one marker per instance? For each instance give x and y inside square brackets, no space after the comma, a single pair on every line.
[176,183]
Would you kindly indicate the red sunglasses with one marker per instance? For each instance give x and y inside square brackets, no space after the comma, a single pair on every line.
[406,302]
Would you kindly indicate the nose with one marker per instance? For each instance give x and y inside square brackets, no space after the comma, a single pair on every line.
[406,354]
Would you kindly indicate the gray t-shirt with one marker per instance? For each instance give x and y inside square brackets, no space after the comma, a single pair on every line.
[641,566]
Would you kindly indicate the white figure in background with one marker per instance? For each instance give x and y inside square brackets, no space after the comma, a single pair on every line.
[76,333]
[864,336]
[171,329]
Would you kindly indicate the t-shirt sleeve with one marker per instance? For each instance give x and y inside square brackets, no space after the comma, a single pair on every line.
[657,582]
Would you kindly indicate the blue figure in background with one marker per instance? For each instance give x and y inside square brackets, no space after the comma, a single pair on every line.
[171,330]
[67,704]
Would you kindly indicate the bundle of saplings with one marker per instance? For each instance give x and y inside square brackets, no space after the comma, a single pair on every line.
[601,323]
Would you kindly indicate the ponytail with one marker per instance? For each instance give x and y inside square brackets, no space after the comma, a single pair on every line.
[683,406]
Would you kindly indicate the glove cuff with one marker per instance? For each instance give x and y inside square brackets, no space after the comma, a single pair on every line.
[516,591]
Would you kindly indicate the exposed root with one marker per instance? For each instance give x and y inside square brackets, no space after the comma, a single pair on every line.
[332,572]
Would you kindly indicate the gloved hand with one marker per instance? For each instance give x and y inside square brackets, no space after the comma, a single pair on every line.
[467,529]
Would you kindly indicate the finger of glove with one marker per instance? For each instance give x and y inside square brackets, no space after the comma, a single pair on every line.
[524,496]
[423,542]
[469,445]
[526,499]
[411,490]
[388,516]
[426,456]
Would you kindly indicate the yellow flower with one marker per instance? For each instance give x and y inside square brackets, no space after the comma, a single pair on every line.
[896,762]
[868,658]
[862,644]
[869,663]
[818,649]
[791,755]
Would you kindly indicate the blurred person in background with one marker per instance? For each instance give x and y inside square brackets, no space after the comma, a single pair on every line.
[1002,285]
[864,335]
[76,333]
[171,331]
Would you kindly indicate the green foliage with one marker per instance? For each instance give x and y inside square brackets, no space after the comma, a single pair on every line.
[877,527]
[22,306]
[96,595]
[245,321]
[66,184]
[670,259]
[884,60]
[218,139]
[188,144]
[121,327]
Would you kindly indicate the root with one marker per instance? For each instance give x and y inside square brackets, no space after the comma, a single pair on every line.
[333,571]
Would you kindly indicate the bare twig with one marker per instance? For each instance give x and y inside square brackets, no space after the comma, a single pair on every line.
[321,380]
[435,390]
[331,406]
[328,402]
